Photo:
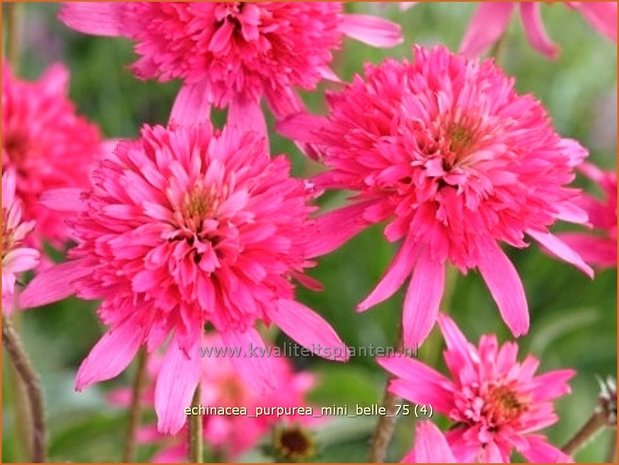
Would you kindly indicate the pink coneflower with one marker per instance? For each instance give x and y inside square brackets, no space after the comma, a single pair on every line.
[221,386]
[182,228]
[430,446]
[491,19]
[497,404]
[15,257]
[599,248]
[46,143]
[457,162]
[230,54]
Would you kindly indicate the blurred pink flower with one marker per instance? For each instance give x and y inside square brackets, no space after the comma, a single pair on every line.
[221,386]
[599,249]
[491,20]
[46,143]
[15,257]
[430,446]
[181,228]
[458,162]
[497,404]
[230,54]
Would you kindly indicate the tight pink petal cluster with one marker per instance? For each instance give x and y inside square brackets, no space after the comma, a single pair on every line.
[457,162]
[187,226]
[45,143]
[16,258]
[230,54]
[221,386]
[497,404]
[491,20]
[600,246]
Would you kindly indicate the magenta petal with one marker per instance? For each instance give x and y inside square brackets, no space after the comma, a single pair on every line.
[431,445]
[423,298]
[302,128]
[53,284]
[489,22]
[309,329]
[506,288]
[559,248]
[398,271]
[98,18]
[250,358]
[601,15]
[111,355]
[551,385]
[418,382]
[371,30]
[176,382]
[540,451]
[335,228]
[247,115]
[600,251]
[67,199]
[192,105]
[454,339]
[534,29]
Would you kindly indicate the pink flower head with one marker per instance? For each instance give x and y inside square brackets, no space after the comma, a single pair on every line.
[230,54]
[46,143]
[599,248]
[491,20]
[457,162]
[181,228]
[497,403]
[221,386]
[430,446]
[15,257]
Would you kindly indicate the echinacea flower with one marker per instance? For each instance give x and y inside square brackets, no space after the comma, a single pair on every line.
[457,162]
[16,258]
[230,54]
[182,228]
[46,143]
[491,19]
[430,446]
[221,386]
[497,403]
[599,247]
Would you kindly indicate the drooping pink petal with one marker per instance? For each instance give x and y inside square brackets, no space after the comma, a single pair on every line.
[111,355]
[66,199]
[506,288]
[430,446]
[302,128]
[601,15]
[247,115]
[102,19]
[398,271]
[598,250]
[371,30]
[191,105]
[538,450]
[535,31]
[250,358]
[562,250]
[419,383]
[21,259]
[454,339]
[489,22]
[423,298]
[53,284]
[337,227]
[177,380]
[309,329]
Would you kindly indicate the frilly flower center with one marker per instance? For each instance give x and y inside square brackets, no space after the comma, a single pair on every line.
[503,404]
[200,204]
[459,142]
[293,443]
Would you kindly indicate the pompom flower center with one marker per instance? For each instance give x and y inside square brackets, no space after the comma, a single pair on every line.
[199,205]
[503,404]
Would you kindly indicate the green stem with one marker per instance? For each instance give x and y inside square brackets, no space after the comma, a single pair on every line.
[135,408]
[196,438]
[23,367]
[611,456]
[499,49]
[594,424]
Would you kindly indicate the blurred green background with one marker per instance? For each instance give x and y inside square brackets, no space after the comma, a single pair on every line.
[573,319]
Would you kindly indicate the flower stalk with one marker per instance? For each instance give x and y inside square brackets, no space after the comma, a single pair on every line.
[135,409]
[196,439]
[23,367]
